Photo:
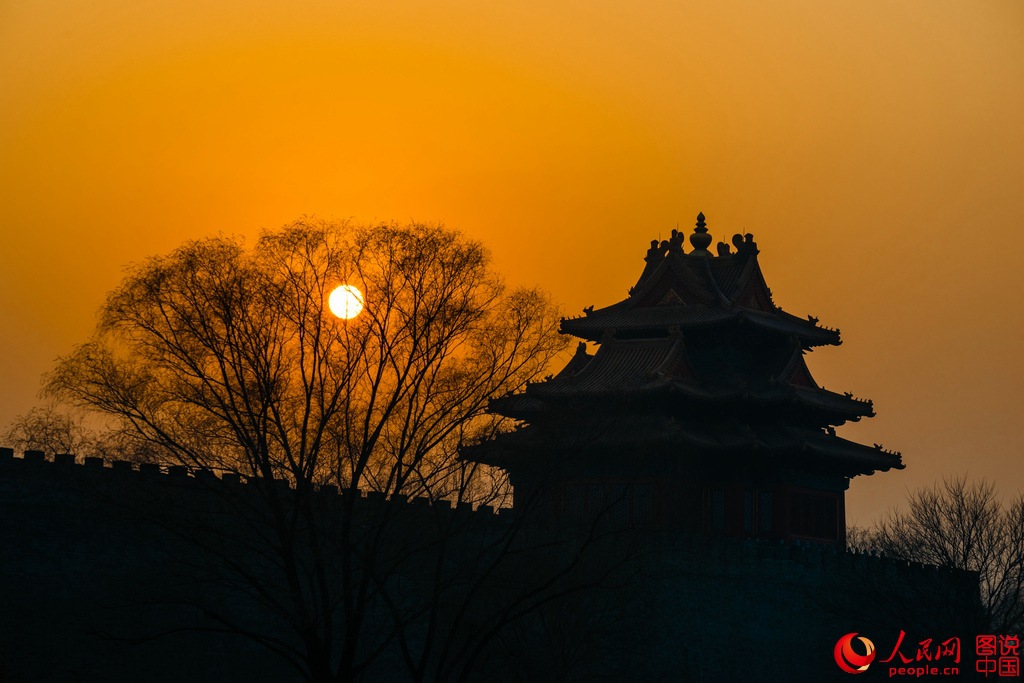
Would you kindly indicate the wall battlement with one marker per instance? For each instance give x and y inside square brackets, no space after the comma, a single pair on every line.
[716,553]
[37,465]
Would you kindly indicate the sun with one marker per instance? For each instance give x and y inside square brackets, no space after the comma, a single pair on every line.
[346,302]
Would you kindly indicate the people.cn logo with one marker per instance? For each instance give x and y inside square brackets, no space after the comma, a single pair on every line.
[851,661]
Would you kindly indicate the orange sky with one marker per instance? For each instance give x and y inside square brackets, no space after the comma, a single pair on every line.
[874,147]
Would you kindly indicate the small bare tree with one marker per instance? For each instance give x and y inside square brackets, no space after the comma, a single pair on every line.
[53,428]
[962,526]
[221,358]
[48,428]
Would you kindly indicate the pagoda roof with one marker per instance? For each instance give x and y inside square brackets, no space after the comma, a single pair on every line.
[697,362]
[697,289]
[652,367]
[635,434]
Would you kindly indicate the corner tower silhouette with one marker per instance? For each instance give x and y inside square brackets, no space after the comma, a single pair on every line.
[696,412]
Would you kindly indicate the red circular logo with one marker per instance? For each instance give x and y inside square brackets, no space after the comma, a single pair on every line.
[850,660]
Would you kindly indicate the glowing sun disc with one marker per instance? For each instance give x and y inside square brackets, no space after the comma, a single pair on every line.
[346,302]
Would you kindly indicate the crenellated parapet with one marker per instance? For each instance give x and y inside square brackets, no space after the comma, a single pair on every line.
[94,472]
[713,555]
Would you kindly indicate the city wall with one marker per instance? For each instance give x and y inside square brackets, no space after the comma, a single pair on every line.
[86,583]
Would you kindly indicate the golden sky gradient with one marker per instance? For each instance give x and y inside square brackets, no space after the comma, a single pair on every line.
[875,148]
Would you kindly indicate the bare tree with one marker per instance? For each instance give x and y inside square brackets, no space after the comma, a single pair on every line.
[53,428]
[222,358]
[48,428]
[962,526]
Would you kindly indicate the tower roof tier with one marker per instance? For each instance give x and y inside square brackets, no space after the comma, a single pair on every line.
[686,442]
[696,289]
[627,320]
[662,369]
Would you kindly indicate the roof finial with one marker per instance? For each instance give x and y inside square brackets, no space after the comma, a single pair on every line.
[700,239]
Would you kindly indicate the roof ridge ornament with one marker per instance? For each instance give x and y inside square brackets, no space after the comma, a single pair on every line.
[745,244]
[676,242]
[700,239]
